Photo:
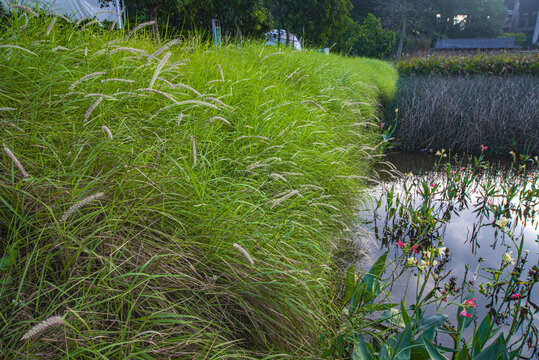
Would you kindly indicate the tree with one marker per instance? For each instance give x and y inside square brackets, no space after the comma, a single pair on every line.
[236,16]
[401,14]
[320,22]
[372,40]
[469,18]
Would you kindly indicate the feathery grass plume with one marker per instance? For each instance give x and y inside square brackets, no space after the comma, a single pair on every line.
[278,176]
[301,78]
[326,205]
[107,130]
[244,253]
[217,101]
[58,15]
[15,161]
[221,72]
[108,97]
[314,103]
[78,22]
[194,150]
[80,204]
[24,8]
[268,87]
[91,108]
[140,26]
[86,77]
[162,49]
[211,120]
[158,69]
[162,93]
[60,48]
[130,49]
[272,54]
[88,24]
[250,137]
[292,74]
[86,52]
[18,47]
[184,86]
[171,85]
[283,197]
[22,27]
[116,20]
[51,25]
[197,102]
[117,79]
[42,326]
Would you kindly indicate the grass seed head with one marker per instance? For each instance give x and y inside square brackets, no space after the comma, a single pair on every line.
[15,161]
[80,204]
[42,326]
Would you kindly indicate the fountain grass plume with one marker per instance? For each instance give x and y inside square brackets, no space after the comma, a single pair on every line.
[87,200]
[42,326]
[16,161]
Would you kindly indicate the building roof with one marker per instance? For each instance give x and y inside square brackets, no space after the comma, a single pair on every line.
[507,43]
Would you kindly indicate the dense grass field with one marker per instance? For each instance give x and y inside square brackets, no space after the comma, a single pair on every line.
[174,200]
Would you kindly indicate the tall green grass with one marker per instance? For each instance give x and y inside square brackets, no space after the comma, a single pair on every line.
[181,201]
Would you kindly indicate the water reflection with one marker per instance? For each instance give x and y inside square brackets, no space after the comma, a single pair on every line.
[479,213]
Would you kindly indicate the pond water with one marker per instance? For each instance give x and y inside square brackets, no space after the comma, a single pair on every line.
[495,214]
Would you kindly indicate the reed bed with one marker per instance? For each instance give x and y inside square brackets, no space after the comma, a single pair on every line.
[164,240]
[461,113]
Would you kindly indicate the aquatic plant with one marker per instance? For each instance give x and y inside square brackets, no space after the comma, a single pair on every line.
[441,319]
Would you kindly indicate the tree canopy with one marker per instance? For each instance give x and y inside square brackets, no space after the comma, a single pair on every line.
[340,24]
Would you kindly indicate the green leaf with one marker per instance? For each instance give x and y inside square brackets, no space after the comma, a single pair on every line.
[369,287]
[433,321]
[494,350]
[349,283]
[398,346]
[463,354]
[481,336]
[361,350]
[433,352]
[404,313]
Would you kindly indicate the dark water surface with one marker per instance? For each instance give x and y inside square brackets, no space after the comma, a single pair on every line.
[472,237]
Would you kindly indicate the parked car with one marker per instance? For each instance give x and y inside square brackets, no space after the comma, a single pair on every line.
[275,37]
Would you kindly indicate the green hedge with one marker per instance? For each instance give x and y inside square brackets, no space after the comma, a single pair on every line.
[476,64]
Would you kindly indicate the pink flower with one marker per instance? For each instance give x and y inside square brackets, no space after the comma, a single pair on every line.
[433,185]
[515,296]
[414,248]
[470,302]
[453,172]
[462,168]
[382,125]
[483,147]
[400,243]
[465,313]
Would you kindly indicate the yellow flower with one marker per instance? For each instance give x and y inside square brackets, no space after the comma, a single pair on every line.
[502,222]
[507,259]
[411,261]
[441,251]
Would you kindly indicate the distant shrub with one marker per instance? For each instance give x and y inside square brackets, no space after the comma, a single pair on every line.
[520,38]
[476,64]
